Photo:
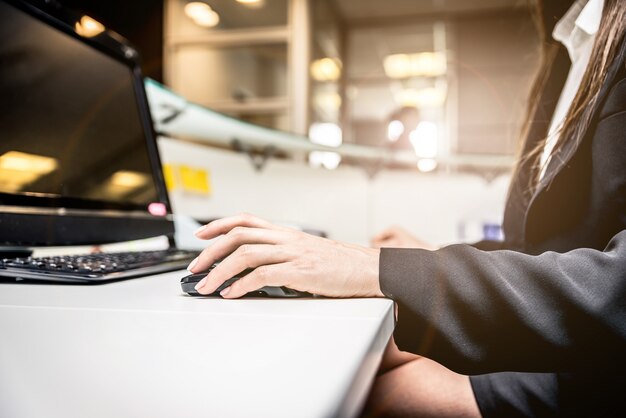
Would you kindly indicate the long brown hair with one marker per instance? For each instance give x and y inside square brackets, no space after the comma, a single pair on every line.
[578,118]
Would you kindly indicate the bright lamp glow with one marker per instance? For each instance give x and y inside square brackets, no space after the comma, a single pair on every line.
[252,3]
[421,98]
[326,69]
[18,169]
[395,129]
[129,179]
[88,27]
[425,140]
[425,64]
[202,14]
[328,160]
[328,101]
[330,135]
[22,161]
[426,165]
[397,65]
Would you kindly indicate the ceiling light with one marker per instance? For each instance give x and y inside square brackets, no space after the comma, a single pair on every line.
[328,134]
[425,140]
[129,179]
[425,64]
[202,14]
[328,101]
[22,161]
[421,98]
[252,3]
[18,169]
[397,66]
[328,160]
[426,165]
[88,27]
[395,129]
[326,69]
[196,8]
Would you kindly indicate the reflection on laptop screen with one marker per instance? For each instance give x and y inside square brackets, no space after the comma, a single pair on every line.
[69,120]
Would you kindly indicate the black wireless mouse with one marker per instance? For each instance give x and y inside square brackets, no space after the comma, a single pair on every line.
[188,283]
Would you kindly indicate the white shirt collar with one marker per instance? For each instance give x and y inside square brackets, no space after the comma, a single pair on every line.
[578,25]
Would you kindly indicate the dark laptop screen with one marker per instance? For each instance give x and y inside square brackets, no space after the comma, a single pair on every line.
[70,127]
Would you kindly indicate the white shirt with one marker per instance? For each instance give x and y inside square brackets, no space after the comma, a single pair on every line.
[577,32]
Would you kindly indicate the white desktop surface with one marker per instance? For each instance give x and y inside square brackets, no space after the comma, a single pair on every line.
[141,348]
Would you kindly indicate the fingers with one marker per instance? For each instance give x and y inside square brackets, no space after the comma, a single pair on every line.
[382,235]
[389,242]
[267,275]
[378,240]
[230,242]
[245,257]
[224,225]
[385,237]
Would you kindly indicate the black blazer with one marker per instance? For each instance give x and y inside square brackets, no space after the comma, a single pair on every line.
[553,296]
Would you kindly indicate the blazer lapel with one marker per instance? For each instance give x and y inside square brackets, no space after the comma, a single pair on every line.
[519,194]
[565,154]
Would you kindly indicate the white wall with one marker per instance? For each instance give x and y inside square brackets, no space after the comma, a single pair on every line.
[344,202]
[439,209]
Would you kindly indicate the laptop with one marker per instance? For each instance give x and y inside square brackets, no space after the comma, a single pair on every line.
[79,163]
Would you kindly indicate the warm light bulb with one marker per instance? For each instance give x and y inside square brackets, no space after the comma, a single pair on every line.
[208,20]
[202,14]
[253,3]
[425,140]
[426,165]
[130,179]
[395,129]
[17,169]
[423,98]
[422,64]
[88,27]
[328,134]
[397,65]
[21,161]
[328,160]
[326,69]
[196,8]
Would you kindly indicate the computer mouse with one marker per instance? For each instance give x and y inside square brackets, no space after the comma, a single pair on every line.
[189,282]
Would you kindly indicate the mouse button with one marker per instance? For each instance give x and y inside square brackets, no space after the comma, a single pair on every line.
[227,283]
[272,291]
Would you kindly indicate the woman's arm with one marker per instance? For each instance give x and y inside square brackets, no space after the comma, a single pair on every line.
[476,311]
[473,311]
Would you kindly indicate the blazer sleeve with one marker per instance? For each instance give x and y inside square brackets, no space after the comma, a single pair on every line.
[485,311]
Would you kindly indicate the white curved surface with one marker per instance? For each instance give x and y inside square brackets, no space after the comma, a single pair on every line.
[141,348]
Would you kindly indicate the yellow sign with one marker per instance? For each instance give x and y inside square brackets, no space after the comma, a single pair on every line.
[168,174]
[194,179]
[190,179]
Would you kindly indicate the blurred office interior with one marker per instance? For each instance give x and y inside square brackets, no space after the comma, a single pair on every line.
[413,107]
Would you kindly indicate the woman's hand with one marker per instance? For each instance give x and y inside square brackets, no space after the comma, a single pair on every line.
[397,237]
[283,256]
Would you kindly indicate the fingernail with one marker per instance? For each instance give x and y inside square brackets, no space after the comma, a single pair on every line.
[200,284]
[202,228]
[192,265]
[225,291]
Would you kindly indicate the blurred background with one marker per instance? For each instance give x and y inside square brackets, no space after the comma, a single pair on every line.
[444,80]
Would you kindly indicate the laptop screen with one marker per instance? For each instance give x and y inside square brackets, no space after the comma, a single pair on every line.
[70,126]
[78,159]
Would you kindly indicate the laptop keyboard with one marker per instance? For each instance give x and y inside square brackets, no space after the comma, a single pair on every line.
[96,266]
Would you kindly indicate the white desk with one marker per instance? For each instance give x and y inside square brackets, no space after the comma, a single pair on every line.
[140,348]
